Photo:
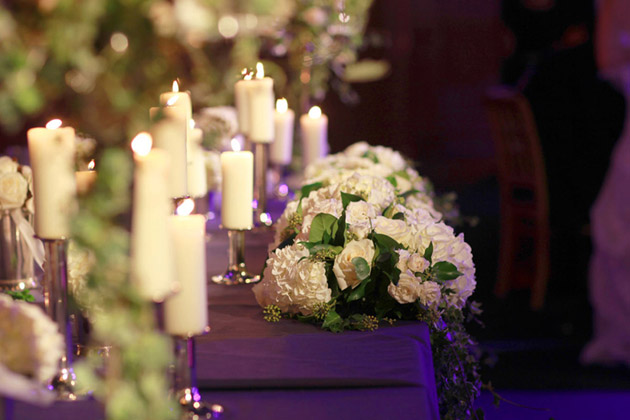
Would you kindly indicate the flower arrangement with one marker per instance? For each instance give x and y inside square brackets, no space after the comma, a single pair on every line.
[362,158]
[16,185]
[353,252]
[30,348]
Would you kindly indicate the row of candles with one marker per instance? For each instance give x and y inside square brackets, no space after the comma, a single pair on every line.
[168,250]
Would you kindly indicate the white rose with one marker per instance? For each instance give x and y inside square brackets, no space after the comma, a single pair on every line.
[7,165]
[403,257]
[343,267]
[430,294]
[394,228]
[13,190]
[408,289]
[357,149]
[358,218]
[417,263]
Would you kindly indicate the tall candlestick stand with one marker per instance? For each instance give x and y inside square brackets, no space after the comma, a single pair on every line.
[262,217]
[236,272]
[56,303]
[185,383]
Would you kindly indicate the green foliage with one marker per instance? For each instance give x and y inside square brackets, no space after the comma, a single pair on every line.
[347,198]
[323,228]
[24,295]
[306,190]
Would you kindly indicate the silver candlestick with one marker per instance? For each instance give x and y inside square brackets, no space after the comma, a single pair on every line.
[185,383]
[55,290]
[236,272]
[261,164]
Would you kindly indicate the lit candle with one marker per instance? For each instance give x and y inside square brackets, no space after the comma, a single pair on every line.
[241,102]
[237,170]
[180,101]
[169,134]
[261,98]
[197,179]
[186,313]
[51,151]
[85,179]
[282,147]
[314,130]
[152,268]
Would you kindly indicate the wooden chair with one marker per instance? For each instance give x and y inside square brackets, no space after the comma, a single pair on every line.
[524,252]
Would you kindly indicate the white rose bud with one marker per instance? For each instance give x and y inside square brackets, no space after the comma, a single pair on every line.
[13,190]
[7,165]
[408,289]
[394,228]
[430,293]
[344,268]
[403,257]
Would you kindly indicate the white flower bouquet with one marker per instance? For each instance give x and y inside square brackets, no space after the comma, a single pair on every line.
[351,254]
[387,163]
[30,349]
[16,185]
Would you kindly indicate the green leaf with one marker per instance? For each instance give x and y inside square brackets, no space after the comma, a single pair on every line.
[402,174]
[408,193]
[306,190]
[362,267]
[324,226]
[392,180]
[333,321]
[445,270]
[399,216]
[428,253]
[389,210]
[347,198]
[24,295]
[340,236]
[386,243]
[358,292]
[315,248]
[371,155]
[288,241]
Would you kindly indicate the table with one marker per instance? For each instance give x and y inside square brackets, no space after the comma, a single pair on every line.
[291,370]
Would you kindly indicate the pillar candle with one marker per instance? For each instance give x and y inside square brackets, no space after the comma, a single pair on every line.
[237,171]
[261,110]
[314,131]
[241,102]
[178,100]
[186,313]
[169,134]
[152,268]
[51,151]
[84,180]
[282,147]
[197,179]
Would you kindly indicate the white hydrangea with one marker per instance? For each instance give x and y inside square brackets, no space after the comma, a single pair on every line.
[293,283]
[80,262]
[30,343]
[375,190]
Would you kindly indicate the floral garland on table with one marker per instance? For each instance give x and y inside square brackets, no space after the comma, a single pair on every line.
[362,158]
[353,254]
[30,348]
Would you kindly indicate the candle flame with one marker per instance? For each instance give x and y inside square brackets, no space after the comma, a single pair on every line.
[175,86]
[191,123]
[282,105]
[186,207]
[141,144]
[171,101]
[91,165]
[248,76]
[244,72]
[236,145]
[54,124]
[260,70]
[315,112]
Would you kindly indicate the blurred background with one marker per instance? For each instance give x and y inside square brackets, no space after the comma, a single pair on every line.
[425,85]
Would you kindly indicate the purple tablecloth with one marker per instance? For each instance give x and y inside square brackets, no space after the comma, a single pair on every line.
[289,370]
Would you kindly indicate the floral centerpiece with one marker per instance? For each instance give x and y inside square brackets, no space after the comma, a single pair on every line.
[363,158]
[352,253]
[30,348]
[16,185]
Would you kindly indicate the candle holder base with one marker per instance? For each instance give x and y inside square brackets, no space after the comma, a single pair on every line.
[236,272]
[236,276]
[192,407]
[64,385]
